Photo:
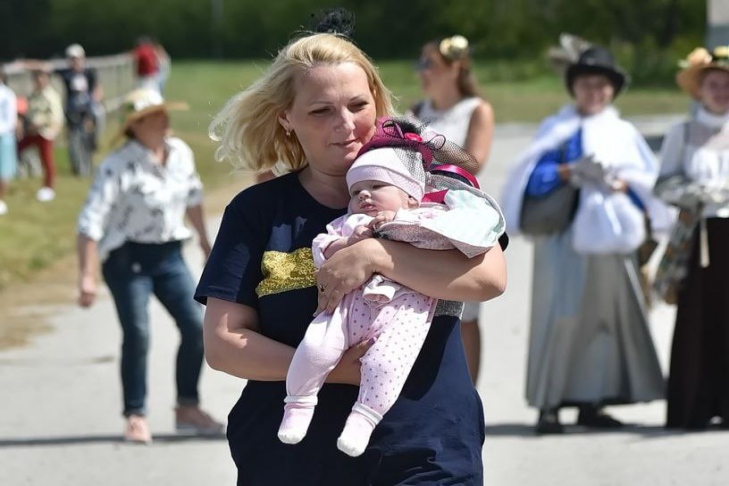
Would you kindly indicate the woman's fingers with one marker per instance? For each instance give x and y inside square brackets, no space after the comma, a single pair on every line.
[86,299]
[328,299]
[348,369]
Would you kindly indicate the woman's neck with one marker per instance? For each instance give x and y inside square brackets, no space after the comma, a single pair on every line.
[326,189]
[712,119]
[446,99]
[157,148]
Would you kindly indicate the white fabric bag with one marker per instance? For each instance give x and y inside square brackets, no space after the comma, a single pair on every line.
[607,224]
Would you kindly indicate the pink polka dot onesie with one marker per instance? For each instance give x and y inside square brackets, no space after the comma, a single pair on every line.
[397,317]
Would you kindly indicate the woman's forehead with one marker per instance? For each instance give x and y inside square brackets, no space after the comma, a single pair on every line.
[331,81]
[717,75]
[592,79]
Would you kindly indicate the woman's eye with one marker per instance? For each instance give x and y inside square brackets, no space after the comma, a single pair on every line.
[319,111]
[359,106]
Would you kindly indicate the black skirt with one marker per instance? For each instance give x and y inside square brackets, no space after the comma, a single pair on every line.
[698,384]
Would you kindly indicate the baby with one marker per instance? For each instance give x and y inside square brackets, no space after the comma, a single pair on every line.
[385,201]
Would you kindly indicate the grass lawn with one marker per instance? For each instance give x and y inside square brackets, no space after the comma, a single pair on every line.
[34,235]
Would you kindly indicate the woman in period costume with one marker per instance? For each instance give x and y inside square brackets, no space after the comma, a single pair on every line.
[589,343]
[695,177]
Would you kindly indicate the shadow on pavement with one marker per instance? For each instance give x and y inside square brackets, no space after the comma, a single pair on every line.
[647,431]
[97,439]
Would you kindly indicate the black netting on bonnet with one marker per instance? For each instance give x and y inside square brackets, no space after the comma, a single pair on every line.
[426,154]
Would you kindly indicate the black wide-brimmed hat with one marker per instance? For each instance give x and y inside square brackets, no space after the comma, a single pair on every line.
[597,60]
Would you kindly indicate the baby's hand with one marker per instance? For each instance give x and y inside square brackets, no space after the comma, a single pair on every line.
[382,218]
[360,233]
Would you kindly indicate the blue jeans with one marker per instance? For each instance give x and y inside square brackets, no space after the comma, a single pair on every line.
[133,273]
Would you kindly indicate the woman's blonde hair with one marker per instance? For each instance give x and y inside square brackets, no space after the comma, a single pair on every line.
[248,127]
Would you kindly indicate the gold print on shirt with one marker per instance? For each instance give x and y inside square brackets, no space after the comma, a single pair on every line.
[286,271]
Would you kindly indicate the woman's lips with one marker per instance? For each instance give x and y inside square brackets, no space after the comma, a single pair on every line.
[346,143]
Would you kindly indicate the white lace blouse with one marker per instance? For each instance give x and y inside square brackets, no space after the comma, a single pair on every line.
[698,149]
[135,199]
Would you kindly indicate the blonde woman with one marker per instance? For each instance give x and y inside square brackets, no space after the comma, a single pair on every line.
[312,110]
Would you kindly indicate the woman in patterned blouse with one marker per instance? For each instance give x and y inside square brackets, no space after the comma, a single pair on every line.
[133,222]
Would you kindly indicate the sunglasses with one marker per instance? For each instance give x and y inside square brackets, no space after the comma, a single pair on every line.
[424,63]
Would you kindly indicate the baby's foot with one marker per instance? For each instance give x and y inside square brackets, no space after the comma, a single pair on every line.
[356,434]
[295,423]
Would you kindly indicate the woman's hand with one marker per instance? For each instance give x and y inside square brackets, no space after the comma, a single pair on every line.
[617,185]
[347,370]
[86,291]
[346,270]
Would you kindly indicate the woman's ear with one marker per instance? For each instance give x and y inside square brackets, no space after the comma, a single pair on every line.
[283,119]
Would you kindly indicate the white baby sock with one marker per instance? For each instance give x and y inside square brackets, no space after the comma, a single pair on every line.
[298,413]
[358,429]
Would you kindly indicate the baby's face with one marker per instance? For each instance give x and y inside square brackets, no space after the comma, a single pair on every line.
[371,197]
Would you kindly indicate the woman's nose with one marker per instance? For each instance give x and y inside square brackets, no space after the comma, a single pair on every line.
[347,121]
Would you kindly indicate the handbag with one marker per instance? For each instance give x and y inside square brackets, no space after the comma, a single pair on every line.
[648,247]
[552,212]
[674,263]
[673,266]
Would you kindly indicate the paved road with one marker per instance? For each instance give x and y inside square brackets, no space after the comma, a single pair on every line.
[60,422]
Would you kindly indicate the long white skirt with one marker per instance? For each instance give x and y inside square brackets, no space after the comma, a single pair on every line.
[589,340]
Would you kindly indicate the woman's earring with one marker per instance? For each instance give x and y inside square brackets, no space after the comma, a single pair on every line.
[288,133]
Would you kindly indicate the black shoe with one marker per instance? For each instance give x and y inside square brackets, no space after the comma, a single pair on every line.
[597,418]
[549,423]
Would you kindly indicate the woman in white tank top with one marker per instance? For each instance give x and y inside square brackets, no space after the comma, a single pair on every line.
[455,109]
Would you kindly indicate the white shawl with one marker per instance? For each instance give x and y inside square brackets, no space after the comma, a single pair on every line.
[614,142]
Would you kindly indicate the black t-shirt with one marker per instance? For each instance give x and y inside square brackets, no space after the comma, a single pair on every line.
[79,88]
[434,432]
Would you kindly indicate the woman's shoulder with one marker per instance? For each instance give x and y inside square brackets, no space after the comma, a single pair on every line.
[566,115]
[119,159]
[178,144]
[482,109]
[265,193]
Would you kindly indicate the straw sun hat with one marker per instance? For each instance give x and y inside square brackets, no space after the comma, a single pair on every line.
[142,102]
[696,63]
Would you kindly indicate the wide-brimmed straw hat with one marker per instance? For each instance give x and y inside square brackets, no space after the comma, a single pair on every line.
[597,60]
[696,63]
[142,102]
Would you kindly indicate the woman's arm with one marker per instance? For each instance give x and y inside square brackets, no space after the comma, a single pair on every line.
[234,345]
[88,265]
[480,133]
[442,274]
[197,219]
